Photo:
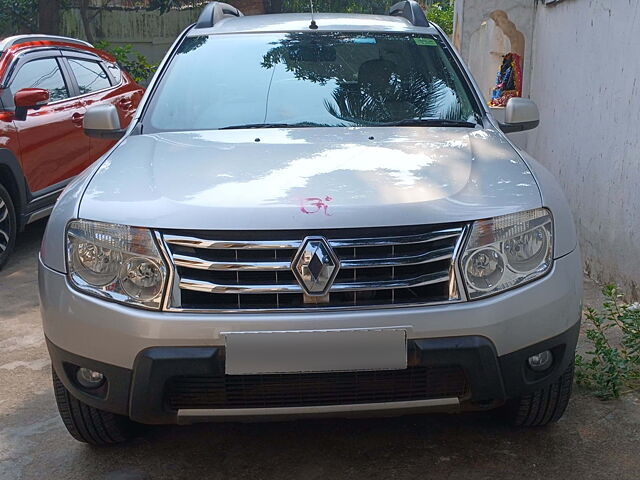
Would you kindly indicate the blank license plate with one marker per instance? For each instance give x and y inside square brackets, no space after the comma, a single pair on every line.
[315,351]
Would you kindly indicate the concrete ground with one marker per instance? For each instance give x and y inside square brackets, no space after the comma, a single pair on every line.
[595,440]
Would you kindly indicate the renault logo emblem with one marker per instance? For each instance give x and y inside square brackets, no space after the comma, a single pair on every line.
[315,266]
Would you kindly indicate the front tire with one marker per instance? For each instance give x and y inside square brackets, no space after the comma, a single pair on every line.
[88,424]
[543,406]
[8,228]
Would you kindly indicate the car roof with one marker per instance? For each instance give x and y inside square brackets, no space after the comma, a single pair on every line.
[299,22]
[17,40]
[19,43]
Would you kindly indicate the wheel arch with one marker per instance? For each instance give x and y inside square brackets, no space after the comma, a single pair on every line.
[12,178]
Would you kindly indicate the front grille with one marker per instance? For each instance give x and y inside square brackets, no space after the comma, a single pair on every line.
[315,389]
[253,271]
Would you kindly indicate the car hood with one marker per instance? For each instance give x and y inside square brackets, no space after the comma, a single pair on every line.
[309,178]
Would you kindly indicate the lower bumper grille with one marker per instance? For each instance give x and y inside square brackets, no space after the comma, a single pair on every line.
[313,389]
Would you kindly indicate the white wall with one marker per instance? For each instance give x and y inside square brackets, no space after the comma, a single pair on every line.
[488,46]
[482,44]
[582,69]
[586,82]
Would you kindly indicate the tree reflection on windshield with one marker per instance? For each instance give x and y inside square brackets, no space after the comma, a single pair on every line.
[379,90]
[308,79]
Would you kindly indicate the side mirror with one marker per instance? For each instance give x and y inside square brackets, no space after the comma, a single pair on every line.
[29,99]
[102,121]
[520,114]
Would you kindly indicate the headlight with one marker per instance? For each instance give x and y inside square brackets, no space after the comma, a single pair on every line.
[117,262]
[506,251]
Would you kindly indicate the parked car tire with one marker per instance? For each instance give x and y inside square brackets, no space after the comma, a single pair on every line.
[91,425]
[543,406]
[8,229]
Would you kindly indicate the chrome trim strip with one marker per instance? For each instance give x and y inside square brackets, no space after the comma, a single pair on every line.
[53,193]
[194,242]
[394,241]
[428,257]
[420,281]
[310,309]
[188,261]
[42,213]
[457,287]
[203,413]
[236,245]
[171,288]
[210,287]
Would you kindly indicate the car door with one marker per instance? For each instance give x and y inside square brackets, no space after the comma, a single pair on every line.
[53,147]
[101,83]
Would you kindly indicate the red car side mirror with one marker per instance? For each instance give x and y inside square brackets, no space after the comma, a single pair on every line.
[29,98]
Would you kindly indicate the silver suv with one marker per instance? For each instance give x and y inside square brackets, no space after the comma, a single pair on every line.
[309,215]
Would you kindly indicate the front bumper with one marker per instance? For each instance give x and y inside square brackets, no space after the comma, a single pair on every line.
[115,334]
[140,351]
[144,392]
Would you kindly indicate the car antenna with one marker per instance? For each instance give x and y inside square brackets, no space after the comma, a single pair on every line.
[314,25]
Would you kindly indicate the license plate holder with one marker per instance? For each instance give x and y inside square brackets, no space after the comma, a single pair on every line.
[307,351]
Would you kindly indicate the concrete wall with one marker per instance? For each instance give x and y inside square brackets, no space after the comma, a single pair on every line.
[582,70]
[149,32]
[586,80]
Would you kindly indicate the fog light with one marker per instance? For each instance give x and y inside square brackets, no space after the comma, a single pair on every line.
[541,361]
[89,378]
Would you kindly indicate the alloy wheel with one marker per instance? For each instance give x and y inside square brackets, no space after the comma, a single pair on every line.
[5,227]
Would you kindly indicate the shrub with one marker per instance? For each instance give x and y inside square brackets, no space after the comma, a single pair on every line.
[131,61]
[18,16]
[612,366]
[441,13]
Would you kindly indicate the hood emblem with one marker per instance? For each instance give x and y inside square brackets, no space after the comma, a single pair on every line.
[315,266]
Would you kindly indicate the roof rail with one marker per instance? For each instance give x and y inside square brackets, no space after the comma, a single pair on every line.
[214,12]
[18,39]
[411,10]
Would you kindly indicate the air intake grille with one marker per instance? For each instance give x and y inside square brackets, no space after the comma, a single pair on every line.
[218,271]
[315,389]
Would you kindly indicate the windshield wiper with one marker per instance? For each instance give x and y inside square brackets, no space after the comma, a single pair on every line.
[270,125]
[429,122]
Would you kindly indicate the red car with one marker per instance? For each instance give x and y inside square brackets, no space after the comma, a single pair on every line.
[46,84]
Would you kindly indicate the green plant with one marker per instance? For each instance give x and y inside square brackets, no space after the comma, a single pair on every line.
[18,16]
[441,13]
[344,6]
[131,61]
[613,363]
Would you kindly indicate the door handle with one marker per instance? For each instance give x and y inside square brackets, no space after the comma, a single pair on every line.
[77,118]
[125,103]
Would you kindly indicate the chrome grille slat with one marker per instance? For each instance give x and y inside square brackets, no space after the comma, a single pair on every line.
[434,256]
[210,287]
[236,245]
[188,261]
[253,272]
[398,240]
[295,244]
[420,281]
[204,286]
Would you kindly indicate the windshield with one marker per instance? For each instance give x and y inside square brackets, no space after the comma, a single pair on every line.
[309,79]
